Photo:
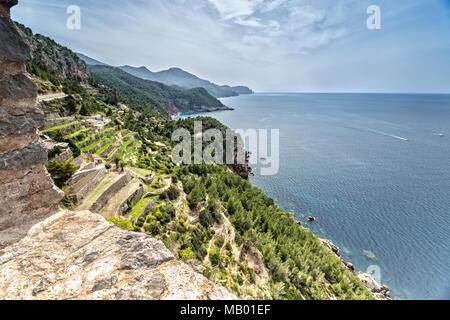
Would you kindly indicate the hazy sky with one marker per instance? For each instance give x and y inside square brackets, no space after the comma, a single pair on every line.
[269,45]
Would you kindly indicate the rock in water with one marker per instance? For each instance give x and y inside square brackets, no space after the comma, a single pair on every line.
[78,255]
[369,255]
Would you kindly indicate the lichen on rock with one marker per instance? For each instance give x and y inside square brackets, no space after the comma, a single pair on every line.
[78,255]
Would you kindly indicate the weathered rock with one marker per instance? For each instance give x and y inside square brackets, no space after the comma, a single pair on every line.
[331,246]
[19,120]
[11,67]
[8,3]
[18,141]
[78,255]
[350,266]
[17,87]
[27,157]
[381,292]
[13,47]
[28,194]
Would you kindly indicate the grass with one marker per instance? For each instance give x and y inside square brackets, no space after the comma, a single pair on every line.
[92,145]
[140,207]
[110,129]
[124,147]
[157,187]
[104,148]
[143,172]
[104,184]
[87,139]
[77,133]
[63,126]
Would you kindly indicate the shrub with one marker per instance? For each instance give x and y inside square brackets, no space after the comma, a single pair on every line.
[186,254]
[214,257]
[122,223]
[206,218]
[54,152]
[173,193]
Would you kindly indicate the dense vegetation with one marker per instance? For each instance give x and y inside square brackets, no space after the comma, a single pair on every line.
[301,267]
[145,95]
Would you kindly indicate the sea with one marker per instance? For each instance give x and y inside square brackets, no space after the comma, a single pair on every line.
[374,171]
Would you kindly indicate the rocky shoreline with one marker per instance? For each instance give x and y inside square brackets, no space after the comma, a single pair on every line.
[379,291]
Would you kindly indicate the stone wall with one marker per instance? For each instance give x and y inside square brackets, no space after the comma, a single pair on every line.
[91,183]
[110,192]
[130,202]
[28,194]
[63,157]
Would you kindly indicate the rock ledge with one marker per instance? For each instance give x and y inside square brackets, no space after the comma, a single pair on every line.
[78,255]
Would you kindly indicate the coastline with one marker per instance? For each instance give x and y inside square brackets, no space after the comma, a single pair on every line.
[177,115]
[379,291]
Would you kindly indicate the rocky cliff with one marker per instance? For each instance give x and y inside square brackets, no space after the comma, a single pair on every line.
[28,193]
[60,60]
[66,255]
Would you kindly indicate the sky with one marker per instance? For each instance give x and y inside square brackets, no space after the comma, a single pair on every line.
[268,45]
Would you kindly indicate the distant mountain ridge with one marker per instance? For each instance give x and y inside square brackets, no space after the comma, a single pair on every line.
[90,61]
[137,92]
[179,78]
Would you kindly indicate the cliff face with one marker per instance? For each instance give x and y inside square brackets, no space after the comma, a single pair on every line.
[81,256]
[59,59]
[28,193]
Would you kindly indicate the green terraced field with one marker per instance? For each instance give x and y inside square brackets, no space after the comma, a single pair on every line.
[104,148]
[77,133]
[140,207]
[63,126]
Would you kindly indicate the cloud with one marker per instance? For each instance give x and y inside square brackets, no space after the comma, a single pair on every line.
[266,44]
[229,9]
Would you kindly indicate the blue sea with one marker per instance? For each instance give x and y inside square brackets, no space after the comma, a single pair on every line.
[374,169]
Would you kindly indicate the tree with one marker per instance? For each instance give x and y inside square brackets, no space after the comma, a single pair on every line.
[58,135]
[206,218]
[197,194]
[84,110]
[61,172]
[173,193]
[117,162]
[71,104]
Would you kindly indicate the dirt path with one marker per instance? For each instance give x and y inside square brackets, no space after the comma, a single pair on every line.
[51,96]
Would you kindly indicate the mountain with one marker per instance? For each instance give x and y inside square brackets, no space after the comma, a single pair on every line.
[54,66]
[90,61]
[137,92]
[53,59]
[180,78]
